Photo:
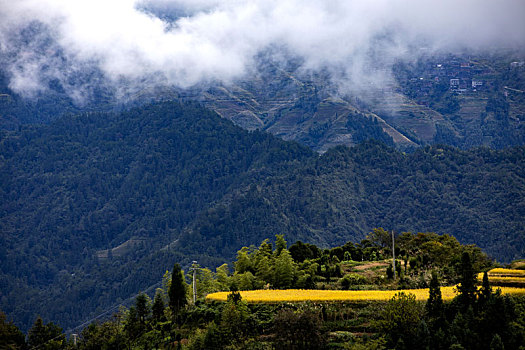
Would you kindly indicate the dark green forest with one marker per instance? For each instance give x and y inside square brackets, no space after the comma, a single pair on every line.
[95,207]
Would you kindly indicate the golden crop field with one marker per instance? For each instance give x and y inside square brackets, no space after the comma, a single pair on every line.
[498,276]
[504,279]
[502,276]
[302,295]
[506,272]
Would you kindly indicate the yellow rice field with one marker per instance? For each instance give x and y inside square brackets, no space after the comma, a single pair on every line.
[506,272]
[504,279]
[303,295]
[505,276]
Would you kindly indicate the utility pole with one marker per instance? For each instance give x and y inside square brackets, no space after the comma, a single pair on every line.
[393,255]
[194,268]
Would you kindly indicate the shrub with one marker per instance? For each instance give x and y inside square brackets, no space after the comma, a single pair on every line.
[352,279]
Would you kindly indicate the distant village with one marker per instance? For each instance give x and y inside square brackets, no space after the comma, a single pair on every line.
[462,76]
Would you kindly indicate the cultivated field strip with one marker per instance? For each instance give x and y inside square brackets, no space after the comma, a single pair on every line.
[505,277]
[305,295]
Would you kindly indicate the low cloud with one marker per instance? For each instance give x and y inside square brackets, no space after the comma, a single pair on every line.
[189,42]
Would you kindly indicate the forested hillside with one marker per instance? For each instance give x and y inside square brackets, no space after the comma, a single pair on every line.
[85,184]
[475,195]
[95,207]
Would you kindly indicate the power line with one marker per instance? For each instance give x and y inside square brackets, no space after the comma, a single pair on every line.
[113,308]
[70,331]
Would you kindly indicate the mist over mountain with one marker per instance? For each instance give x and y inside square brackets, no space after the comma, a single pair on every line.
[185,43]
[320,74]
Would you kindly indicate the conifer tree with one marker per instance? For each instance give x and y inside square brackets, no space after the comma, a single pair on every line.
[143,308]
[485,291]
[223,279]
[467,285]
[284,270]
[265,249]
[132,325]
[177,290]
[158,307]
[280,244]
[49,334]
[10,336]
[434,305]
[244,261]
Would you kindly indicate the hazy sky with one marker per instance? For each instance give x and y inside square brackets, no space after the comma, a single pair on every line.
[185,42]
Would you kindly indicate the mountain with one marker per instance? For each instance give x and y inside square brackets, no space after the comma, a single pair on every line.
[464,100]
[95,206]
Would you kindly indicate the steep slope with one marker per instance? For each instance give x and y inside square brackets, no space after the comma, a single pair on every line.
[294,107]
[464,100]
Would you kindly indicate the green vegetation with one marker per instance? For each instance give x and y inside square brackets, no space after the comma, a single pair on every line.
[475,319]
[306,266]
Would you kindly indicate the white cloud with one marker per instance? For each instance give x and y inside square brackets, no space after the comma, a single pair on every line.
[208,40]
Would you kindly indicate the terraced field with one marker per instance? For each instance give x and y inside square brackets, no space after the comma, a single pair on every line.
[510,281]
[505,277]
[311,295]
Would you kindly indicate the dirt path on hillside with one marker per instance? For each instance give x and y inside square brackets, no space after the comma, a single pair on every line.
[370,265]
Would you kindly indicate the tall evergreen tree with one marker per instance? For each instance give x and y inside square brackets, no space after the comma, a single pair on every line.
[46,336]
[177,291]
[223,279]
[142,306]
[284,270]
[10,336]
[244,262]
[467,285]
[158,307]
[280,244]
[235,318]
[132,326]
[434,305]
[265,249]
[486,290]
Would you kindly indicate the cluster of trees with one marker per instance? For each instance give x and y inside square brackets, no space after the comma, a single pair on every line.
[420,252]
[476,319]
[90,182]
[307,266]
[347,190]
